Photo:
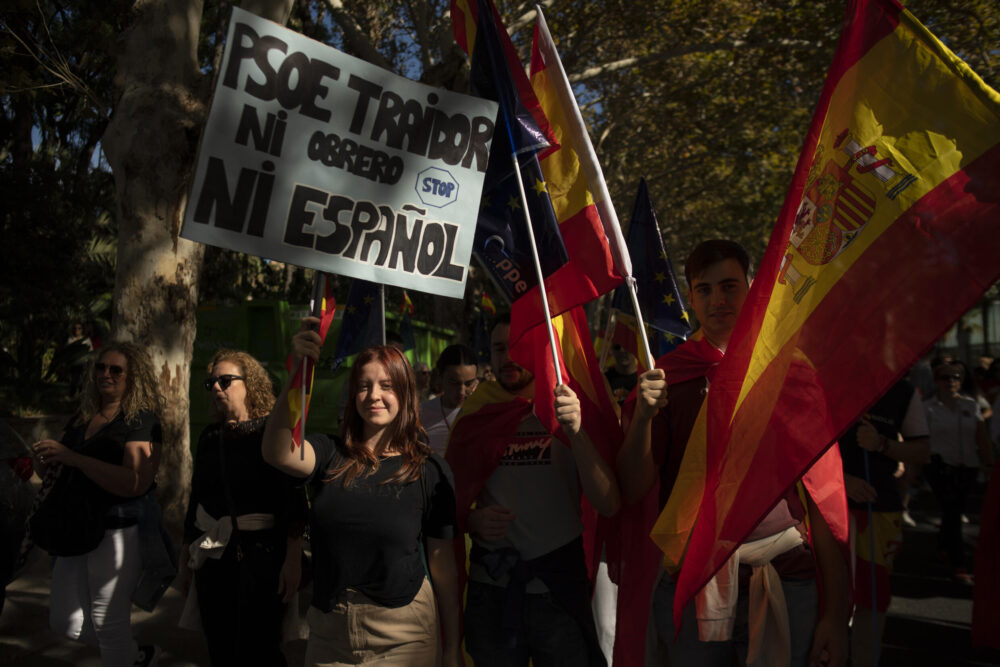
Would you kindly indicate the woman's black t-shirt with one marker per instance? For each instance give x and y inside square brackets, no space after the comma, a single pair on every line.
[255,487]
[368,536]
[107,445]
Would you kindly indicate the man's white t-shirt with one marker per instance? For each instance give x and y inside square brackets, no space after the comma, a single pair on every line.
[437,421]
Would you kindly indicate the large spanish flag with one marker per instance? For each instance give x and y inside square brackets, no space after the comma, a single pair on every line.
[888,234]
[598,259]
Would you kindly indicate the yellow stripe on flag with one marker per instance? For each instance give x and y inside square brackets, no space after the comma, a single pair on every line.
[672,529]
[567,186]
[908,100]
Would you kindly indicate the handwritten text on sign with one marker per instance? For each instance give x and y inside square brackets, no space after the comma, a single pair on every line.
[313,157]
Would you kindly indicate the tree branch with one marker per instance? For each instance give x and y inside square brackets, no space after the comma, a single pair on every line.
[705,47]
[355,37]
[528,16]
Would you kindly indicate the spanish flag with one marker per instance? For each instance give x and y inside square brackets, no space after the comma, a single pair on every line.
[298,399]
[569,178]
[598,260]
[888,234]
[406,305]
[487,305]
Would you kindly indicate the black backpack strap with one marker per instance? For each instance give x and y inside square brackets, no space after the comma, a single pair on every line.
[229,492]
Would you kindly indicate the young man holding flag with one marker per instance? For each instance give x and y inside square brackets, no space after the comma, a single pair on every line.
[529,589]
[763,604]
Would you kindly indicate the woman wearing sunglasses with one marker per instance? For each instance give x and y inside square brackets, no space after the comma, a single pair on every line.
[959,446]
[91,503]
[247,569]
[381,499]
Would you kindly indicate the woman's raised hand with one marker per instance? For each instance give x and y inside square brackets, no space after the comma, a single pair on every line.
[306,342]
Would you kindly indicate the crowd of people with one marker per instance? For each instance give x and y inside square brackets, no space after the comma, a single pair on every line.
[437,516]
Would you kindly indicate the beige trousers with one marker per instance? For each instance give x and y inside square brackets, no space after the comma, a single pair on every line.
[358,631]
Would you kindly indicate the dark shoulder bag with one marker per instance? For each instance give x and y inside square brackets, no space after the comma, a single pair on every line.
[68,521]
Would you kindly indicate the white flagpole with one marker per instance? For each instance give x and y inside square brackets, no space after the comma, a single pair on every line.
[592,168]
[538,269]
[381,312]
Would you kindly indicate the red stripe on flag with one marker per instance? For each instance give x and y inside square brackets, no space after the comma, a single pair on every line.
[847,217]
[588,274]
[877,21]
[459,21]
[866,202]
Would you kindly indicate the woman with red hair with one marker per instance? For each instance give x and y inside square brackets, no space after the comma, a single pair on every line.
[381,502]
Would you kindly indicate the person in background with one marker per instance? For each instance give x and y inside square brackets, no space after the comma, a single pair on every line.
[79,364]
[623,375]
[241,584]
[911,477]
[383,506]
[485,373]
[457,369]
[893,431]
[959,445]
[106,459]
[921,376]
[970,389]
[991,383]
[422,372]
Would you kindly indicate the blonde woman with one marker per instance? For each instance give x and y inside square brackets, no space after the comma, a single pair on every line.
[106,459]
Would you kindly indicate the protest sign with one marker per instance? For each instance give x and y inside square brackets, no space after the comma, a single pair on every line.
[314,157]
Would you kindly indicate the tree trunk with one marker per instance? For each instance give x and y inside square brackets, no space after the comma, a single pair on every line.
[151,143]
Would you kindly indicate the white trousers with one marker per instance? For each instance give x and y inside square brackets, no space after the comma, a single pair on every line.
[91,596]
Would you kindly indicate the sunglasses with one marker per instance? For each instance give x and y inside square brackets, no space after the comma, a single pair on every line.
[114,369]
[223,380]
[949,377]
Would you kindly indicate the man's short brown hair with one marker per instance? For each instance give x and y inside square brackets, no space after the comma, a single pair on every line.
[713,251]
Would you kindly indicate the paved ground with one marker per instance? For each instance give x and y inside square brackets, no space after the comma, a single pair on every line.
[928,621]
[26,640]
[930,615]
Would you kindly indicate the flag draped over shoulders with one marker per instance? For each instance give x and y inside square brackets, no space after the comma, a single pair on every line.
[887,235]
[477,442]
[483,428]
[582,374]
[491,416]
[633,558]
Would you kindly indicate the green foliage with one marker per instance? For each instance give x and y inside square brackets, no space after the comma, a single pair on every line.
[59,238]
[710,101]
